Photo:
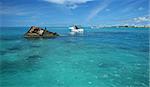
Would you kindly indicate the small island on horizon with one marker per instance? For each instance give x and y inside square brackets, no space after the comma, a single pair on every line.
[121,26]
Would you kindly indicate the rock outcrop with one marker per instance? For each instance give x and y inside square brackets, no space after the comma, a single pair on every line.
[36,32]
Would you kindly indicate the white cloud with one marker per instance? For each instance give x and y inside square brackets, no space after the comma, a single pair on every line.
[133,6]
[72,4]
[138,20]
[68,1]
[107,9]
[140,8]
[98,9]
[142,19]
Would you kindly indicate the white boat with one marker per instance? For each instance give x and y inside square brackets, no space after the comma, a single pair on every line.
[76,29]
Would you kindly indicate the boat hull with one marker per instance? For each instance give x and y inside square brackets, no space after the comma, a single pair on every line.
[76,30]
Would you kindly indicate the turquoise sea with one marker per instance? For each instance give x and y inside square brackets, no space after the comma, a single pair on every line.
[106,57]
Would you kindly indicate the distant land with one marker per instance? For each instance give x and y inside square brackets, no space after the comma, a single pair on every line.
[90,26]
[121,26]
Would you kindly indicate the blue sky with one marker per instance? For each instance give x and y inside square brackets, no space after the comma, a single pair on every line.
[68,12]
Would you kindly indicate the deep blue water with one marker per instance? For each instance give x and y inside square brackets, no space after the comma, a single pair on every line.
[109,57]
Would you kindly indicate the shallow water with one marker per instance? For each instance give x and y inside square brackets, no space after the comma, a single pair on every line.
[109,57]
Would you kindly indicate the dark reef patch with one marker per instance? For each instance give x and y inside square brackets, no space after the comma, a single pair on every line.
[33,58]
[14,49]
[144,50]
[35,46]
[110,64]
[9,38]
[3,52]
[29,64]
[124,48]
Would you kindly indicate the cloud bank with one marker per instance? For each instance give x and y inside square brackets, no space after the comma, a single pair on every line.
[72,4]
[142,19]
[138,20]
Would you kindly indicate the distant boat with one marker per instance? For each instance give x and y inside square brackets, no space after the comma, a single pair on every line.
[76,29]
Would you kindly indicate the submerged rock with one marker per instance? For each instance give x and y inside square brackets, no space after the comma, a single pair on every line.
[36,32]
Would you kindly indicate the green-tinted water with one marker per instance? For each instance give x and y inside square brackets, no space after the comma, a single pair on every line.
[97,58]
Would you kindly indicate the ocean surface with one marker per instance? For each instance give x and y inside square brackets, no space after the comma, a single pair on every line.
[106,57]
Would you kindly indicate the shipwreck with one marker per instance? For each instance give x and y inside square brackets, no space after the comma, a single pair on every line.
[37,32]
